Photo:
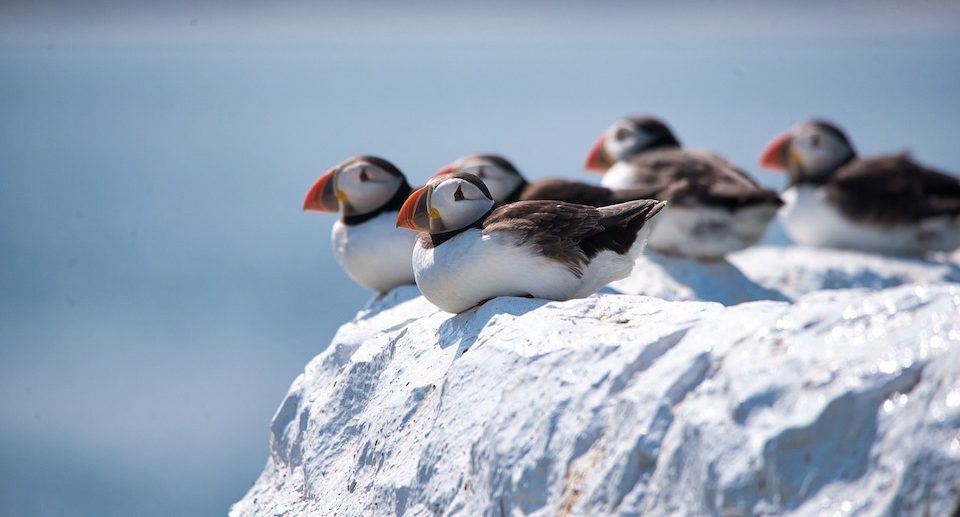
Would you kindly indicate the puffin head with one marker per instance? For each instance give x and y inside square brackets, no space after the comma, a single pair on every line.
[356,186]
[627,138]
[501,177]
[808,151]
[447,203]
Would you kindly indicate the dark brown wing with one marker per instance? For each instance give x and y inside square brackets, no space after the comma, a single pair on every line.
[893,190]
[581,193]
[571,233]
[698,178]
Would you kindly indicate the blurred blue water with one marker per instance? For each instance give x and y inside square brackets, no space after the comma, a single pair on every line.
[159,285]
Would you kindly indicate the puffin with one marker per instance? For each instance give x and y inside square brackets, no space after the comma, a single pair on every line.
[715,207]
[508,185]
[470,248]
[886,204]
[368,192]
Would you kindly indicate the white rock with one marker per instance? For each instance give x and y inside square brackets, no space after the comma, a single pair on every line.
[778,273]
[675,278]
[847,402]
[798,270]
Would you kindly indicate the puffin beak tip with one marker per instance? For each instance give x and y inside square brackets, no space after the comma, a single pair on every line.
[774,156]
[415,214]
[322,197]
[597,160]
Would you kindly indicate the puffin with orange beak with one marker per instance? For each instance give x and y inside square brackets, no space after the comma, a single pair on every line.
[507,185]
[367,192]
[887,204]
[470,248]
[715,208]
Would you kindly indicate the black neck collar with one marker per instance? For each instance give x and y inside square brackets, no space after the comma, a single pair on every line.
[515,194]
[439,238]
[821,179]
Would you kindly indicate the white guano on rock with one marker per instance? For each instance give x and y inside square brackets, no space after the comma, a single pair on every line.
[845,402]
[779,273]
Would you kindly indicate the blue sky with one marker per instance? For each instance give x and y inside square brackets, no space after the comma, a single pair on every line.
[160,286]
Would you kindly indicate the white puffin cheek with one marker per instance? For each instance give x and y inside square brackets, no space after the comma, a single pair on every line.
[613,147]
[463,213]
[458,214]
[366,196]
[619,149]
[441,200]
[809,157]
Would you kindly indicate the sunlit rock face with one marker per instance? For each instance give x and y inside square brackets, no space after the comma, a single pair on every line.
[796,270]
[779,273]
[846,402]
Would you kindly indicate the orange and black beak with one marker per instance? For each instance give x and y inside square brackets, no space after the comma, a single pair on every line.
[323,196]
[598,160]
[416,213]
[446,169]
[776,155]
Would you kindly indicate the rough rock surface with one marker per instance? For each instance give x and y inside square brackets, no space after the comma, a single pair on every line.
[676,278]
[778,273]
[846,402]
[796,270]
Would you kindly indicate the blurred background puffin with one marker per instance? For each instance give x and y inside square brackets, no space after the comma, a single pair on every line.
[507,184]
[715,208]
[885,204]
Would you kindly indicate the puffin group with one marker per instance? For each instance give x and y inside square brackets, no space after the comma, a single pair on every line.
[478,229]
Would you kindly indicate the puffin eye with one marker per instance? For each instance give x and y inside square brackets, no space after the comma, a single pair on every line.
[815,140]
[363,175]
[622,133]
[458,195]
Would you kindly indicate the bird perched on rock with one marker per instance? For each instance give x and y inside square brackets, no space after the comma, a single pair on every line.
[368,192]
[886,204]
[507,184]
[471,248]
[715,208]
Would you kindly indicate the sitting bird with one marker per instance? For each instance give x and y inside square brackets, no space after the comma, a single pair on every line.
[507,184]
[885,204]
[471,248]
[715,208]
[368,192]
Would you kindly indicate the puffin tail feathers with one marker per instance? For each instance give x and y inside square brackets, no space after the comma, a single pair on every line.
[630,213]
[625,227]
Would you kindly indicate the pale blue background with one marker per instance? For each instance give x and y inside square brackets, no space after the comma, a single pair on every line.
[159,285]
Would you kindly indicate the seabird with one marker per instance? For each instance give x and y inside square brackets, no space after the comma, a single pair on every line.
[886,204]
[507,184]
[471,248]
[715,208]
[367,191]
